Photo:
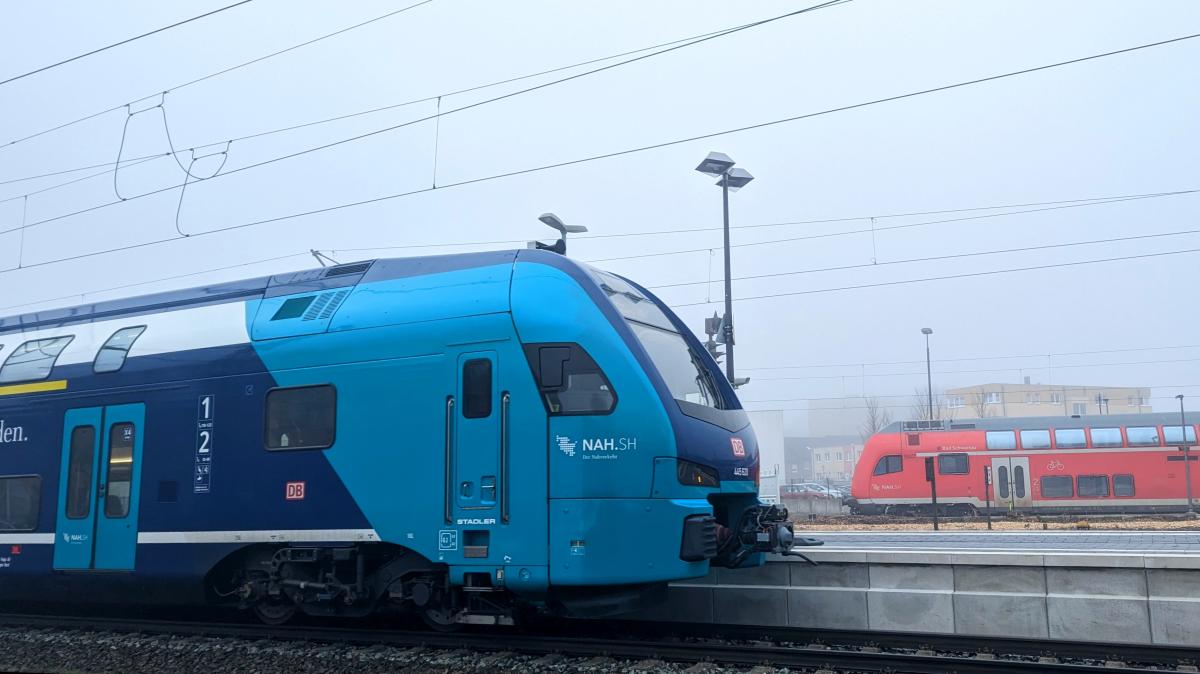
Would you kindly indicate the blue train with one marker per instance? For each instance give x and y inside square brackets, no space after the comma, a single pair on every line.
[460,436]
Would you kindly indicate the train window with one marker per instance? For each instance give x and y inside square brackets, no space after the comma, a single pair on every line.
[293,308]
[304,417]
[1018,479]
[1122,485]
[1092,485]
[1171,435]
[889,464]
[571,382]
[1070,438]
[111,356]
[1106,437]
[120,471]
[477,388]
[1001,440]
[953,464]
[19,499]
[1057,486]
[1035,439]
[686,378]
[79,471]
[1142,436]
[1002,489]
[34,359]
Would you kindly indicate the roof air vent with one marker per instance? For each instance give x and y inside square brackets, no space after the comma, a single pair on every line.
[347,269]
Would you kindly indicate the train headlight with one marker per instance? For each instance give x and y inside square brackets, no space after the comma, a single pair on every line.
[697,475]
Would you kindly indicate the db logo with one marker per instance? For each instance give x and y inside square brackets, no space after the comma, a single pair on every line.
[294,491]
[739,449]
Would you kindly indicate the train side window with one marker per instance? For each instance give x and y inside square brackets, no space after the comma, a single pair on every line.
[1171,435]
[19,499]
[1035,439]
[954,464]
[1001,440]
[1002,481]
[34,359]
[1057,486]
[1092,485]
[889,464]
[111,356]
[1106,437]
[79,471]
[1070,438]
[477,388]
[1122,485]
[303,417]
[570,381]
[1018,479]
[120,471]
[1142,436]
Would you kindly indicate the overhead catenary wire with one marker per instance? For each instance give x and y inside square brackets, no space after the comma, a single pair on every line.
[922,373]
[434,97]
[93,52]
[935,258]
[1009,388]
[690,230]
[438,115]
[1051,354]
[556,165]
[216,74]
[927,279]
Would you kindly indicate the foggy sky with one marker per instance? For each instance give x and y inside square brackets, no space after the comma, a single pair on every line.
[1116,126]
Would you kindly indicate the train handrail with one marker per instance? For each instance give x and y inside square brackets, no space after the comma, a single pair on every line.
[449,459]
[504,403]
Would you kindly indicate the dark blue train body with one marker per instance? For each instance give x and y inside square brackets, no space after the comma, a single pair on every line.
[454,434]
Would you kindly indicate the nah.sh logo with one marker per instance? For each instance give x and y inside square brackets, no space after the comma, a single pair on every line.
[739,449]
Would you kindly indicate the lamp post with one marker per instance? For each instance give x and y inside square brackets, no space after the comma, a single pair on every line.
[928,370]
[720,166]
[1187,465]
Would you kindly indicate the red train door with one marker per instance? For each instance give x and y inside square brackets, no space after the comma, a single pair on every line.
[1010,482]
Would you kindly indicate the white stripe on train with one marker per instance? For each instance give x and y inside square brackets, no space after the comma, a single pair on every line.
[264,536]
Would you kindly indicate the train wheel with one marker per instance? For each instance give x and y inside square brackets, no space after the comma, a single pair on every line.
[275,611]
[440,619]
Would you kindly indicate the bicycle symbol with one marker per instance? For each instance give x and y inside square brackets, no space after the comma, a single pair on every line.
[1055,464]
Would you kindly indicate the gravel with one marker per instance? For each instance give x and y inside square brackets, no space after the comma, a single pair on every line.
[63,650]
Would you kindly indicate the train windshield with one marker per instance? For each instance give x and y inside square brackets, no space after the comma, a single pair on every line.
[685,375]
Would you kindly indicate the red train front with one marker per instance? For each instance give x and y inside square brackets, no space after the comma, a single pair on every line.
[1120,463]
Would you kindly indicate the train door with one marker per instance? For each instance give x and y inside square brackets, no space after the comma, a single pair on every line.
[99,483]
[477,440]
[1010,482]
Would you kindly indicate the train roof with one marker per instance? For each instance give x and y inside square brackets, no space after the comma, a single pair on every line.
[1037,423]
[320,278]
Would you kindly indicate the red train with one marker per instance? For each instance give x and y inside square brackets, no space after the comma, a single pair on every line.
[1117,463]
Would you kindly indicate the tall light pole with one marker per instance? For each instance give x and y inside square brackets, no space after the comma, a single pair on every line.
[928,370]
[1187,465]
[720,166]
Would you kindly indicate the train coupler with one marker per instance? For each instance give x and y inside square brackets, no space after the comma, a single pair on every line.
[760,529]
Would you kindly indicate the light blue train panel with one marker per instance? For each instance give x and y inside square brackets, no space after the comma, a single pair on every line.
[100,481]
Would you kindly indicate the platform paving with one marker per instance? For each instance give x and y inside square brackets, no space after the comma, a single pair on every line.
[1012,541]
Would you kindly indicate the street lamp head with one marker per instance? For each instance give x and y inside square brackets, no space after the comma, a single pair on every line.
[554,221]
[1179,397]
[715,164]
[926,331]
[736,179]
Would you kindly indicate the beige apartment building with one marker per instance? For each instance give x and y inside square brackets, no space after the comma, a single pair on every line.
[1043,400]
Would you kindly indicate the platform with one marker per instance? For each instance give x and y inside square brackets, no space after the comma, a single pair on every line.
[1012,541]
[1122,597]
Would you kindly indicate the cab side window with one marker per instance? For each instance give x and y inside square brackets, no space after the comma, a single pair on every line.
[891,463]
[571,383]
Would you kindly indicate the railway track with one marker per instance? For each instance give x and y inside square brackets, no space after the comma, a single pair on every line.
[833,651]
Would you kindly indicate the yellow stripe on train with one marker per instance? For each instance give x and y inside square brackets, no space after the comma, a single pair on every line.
[36,387]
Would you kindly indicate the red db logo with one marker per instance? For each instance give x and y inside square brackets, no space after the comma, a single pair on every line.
[294,491]
[739,449]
